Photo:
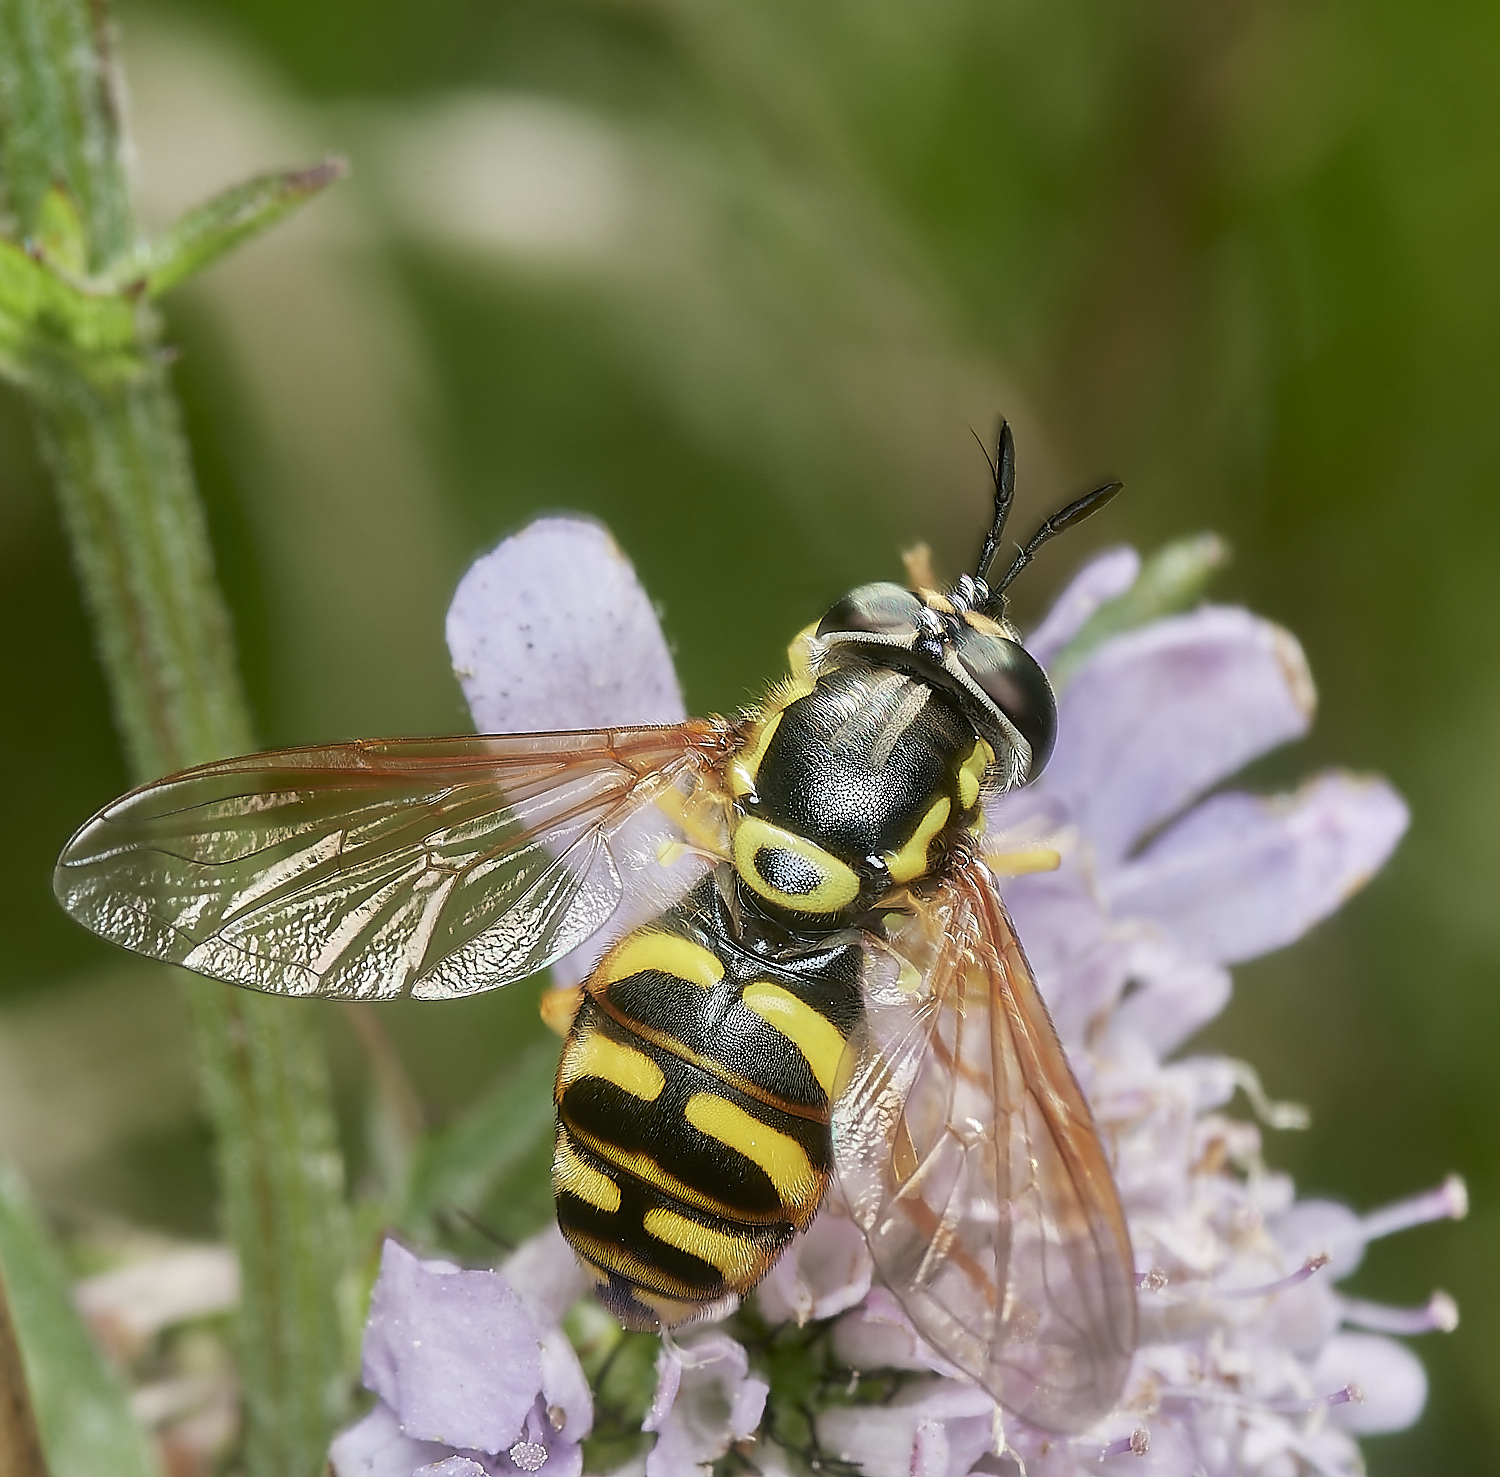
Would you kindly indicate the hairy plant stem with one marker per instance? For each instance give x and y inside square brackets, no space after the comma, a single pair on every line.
[108,424]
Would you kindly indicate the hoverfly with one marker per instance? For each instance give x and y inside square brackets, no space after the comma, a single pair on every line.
[838,996]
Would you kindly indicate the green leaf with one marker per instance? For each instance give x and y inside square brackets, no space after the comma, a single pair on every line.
[1169,581]
[20,1442]
[48,325]
[81,1405]
[463,1163]
[59,236]
[210,230]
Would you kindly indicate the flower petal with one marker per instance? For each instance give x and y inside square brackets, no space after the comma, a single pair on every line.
[565,1387]
[376,1447]
[453,1353]
[705,1400]
[879,1335]
[826,1270]
[1080,962]
[553,631]
[937,1428]
[1241,874]
[1323,1228]
[1175,991]
[545,1274]
[1157,716]
[1105,577]
[1388,1376]
[668,1382]
[541,1446]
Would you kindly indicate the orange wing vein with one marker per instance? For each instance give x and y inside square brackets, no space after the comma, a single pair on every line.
[429,867]
[968,1156]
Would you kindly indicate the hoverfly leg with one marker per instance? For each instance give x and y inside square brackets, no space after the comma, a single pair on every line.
[559,1007]
[1023,863]
[918,562]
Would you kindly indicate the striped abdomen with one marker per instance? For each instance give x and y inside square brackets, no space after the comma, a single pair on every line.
[693,1105]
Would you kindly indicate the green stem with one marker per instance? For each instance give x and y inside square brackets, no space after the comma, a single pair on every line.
[138,537]
[114,441]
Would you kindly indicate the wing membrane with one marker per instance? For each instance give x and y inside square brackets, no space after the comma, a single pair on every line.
[434,867]
[968,1156]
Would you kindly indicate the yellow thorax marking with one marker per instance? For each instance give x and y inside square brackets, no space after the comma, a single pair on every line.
[814,1035]
[783,1159]
[971,774]
[665,952]
[570,1173]
[911,860]
[735,1256]
[800,654]
[596,1055]
[838,884]
[745,765]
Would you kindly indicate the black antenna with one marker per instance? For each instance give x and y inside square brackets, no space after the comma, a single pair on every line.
[1075,512]
[1003,470]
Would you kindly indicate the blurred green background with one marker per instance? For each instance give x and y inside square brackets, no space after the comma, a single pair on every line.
[739,280]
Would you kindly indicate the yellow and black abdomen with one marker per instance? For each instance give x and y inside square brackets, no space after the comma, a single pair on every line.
[693,1105]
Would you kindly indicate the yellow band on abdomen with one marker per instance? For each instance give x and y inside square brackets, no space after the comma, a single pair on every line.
[665,952]
[783,1159]
[740,1258]
[594,1054]
[583,1181]
[814,1035]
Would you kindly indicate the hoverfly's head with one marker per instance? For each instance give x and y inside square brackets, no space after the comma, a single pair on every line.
[959,638]
[950,640]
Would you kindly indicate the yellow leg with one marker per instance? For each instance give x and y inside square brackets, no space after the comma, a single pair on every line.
[558,1008]
[700,816]
[1022,863]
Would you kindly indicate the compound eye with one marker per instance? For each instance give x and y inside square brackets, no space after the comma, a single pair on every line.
[880,609]
[1011,678]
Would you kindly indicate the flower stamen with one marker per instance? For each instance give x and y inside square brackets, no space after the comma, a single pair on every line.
[1314,1263]
[1138,1443]
[1438,1315]
[1350,1394]
[1449,1202]
[1270,1112]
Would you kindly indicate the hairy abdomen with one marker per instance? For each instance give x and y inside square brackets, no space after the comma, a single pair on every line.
[693,1105]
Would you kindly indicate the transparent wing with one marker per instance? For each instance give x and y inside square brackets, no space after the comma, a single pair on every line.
[968,1156]
[430,867]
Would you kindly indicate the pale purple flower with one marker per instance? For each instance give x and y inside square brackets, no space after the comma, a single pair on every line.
[1251,1360]
[1244,1366]
[552,630]
[469,1377]
[706,1398]
[825,1270]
